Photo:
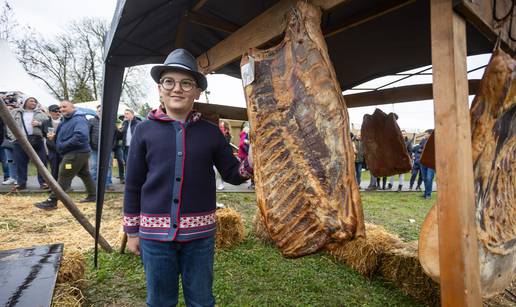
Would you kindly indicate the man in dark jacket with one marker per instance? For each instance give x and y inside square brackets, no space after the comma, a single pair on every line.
[72,142]
[169,203]
[416,166]
[128,127]
[94,144]
[50,127]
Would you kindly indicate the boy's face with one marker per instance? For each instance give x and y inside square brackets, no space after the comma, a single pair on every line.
[179,99]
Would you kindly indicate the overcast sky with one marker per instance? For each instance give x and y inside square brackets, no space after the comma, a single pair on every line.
[51,16]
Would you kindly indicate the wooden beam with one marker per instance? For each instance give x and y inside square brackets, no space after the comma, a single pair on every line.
[480,15]
[226,112]
[67,201]
[179,42]
[257,32]
[458,253]
[198,5]
[368,16]
[212,22]
[398,94]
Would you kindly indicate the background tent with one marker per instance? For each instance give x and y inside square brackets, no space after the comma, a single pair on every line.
[15,78]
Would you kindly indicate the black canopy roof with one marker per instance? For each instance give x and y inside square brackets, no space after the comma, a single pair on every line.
[144,32]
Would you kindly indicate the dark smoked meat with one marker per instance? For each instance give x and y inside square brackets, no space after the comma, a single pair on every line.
[303,157]
[493,141]
[493,129]
[384,148]
[428,154]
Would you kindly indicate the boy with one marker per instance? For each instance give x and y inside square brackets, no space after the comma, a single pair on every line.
[169,205]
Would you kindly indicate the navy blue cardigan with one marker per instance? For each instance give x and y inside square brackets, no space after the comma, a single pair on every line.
[170,181]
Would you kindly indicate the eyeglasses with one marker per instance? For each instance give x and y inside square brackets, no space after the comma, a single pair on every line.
[185,84]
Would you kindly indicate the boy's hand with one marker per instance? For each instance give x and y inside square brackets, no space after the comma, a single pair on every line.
[133,245]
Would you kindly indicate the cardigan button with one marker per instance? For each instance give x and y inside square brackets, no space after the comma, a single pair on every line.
[178,179]
[174,226]
[176,200]
[179,153]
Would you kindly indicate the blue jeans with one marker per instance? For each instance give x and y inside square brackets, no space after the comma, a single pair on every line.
[428,178]
[119,156]
[358,172]
[416,169]
[9,158]
[5,166]
[93,168]
[22,161]
[165,261]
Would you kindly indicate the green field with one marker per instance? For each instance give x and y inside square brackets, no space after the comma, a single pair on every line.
[255,274]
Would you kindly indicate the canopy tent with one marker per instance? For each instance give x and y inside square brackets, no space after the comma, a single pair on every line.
[15,78]
[366,40]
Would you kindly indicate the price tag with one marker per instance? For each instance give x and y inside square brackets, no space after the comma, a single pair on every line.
[247,72]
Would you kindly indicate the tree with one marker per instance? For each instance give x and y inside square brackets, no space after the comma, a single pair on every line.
[7,22]
[71,64]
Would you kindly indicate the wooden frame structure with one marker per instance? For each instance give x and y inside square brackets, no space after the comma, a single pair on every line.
[459,267]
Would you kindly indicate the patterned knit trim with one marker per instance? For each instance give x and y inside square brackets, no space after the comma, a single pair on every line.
[163,221]
[131,221]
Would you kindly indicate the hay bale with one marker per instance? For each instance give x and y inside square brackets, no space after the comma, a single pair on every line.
[230,228]
[401,266]
[364,254]
[504,299]
[67,295]
[259,229]
[71,270]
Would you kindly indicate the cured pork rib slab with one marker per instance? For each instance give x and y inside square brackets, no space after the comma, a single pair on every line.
[493,140]
[384,148]
[303,158]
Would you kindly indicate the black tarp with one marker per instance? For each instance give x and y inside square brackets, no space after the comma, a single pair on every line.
[144,32]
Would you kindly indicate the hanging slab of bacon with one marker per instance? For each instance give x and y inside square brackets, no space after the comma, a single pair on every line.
[303,158]
[493,132]
[384,148]
[428,154]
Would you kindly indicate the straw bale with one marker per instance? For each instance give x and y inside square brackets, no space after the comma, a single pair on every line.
[364,254]
[72,269]
[23,225]
[67,295]
[504,299]
[230,228]
[401,266]
[259,229]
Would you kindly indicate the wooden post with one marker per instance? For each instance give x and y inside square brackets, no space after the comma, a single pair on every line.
[458,253]
[61,195]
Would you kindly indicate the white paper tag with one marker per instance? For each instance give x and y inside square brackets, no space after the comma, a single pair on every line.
[247,72]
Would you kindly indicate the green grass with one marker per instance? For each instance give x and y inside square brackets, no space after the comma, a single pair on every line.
[394,210]
[255,274]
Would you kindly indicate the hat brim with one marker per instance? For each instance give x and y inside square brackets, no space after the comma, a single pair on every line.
[158,70]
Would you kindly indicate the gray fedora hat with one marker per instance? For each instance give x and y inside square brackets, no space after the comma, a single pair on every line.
[180,60]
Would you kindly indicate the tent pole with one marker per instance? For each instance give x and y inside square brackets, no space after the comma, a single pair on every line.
[52,183]
[458,246]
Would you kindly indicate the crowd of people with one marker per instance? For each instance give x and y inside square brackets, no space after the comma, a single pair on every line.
[40,126]
[423,173]
[64,140]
